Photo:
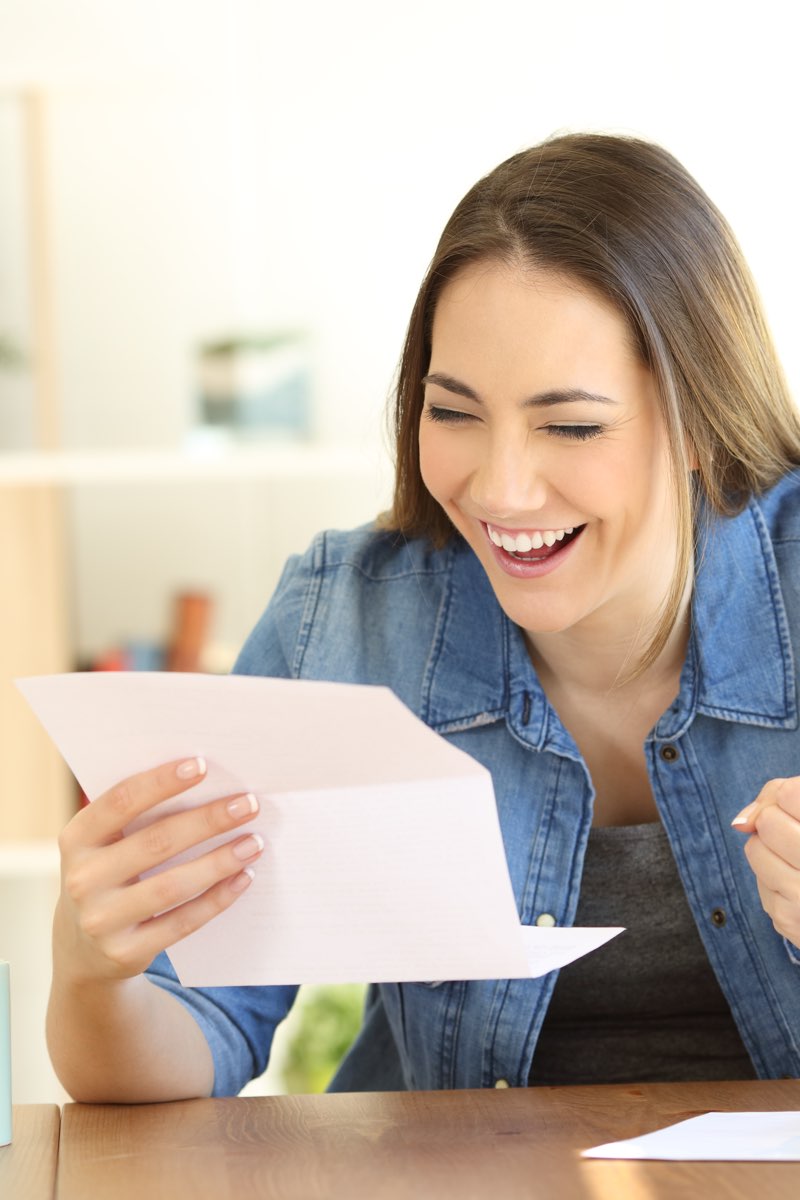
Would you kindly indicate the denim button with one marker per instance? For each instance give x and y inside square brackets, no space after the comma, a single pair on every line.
[670,753]
[545,920]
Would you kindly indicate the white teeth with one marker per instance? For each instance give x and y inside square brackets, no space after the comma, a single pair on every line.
[522,543]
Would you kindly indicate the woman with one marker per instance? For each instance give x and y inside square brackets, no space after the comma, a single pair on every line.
[588,581]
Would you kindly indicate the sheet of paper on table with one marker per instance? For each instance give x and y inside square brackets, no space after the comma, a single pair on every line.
[384,860]
[715,1137]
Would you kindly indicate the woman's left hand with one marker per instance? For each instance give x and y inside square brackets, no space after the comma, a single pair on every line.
[773,851]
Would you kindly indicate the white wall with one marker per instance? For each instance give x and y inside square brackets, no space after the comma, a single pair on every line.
[16,423]
[224,163]
[28,892]
[244,164]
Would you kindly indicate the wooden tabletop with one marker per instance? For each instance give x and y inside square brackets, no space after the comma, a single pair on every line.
[468,1145]
[28,1165]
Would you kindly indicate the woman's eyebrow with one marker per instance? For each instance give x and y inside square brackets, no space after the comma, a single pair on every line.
[451,385]
[540,400]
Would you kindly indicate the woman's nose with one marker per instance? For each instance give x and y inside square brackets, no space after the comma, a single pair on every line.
[508,482]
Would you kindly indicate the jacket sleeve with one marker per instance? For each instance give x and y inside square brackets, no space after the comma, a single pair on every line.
[239,1022]
[276,645]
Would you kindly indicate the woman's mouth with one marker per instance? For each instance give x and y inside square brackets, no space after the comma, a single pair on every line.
[529,554]
[535,545]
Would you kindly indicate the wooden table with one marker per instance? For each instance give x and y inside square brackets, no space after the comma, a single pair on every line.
[28,1165]
[475,1145]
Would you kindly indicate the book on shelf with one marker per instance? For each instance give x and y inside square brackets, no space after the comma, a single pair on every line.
[191,621]
[185,648]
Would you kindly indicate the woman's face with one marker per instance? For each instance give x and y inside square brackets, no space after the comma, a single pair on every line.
[542,439]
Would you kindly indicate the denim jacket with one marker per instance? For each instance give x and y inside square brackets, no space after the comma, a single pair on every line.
[370,607]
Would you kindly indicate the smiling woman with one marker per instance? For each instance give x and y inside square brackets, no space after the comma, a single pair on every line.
[621,222]
[553,425]
[590,582]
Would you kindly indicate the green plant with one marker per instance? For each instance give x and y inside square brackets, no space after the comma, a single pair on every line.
[330,1018]
[10,355]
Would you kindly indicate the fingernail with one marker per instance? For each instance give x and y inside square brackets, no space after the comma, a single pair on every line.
[191,768]
[745,815]
[249,847]
[242,880]
[243,805]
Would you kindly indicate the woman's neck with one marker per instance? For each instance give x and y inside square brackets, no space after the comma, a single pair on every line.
[583,661]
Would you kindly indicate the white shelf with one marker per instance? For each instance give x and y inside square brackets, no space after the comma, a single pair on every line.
[275,461]
[30,859]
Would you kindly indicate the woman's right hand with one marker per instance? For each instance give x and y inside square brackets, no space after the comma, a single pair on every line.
[110,921]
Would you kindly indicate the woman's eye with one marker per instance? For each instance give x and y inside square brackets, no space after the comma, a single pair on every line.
[578,433]
[447,416]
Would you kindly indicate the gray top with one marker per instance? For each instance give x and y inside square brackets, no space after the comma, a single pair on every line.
[647,1006]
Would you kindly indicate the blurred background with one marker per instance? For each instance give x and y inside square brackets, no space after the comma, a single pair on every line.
[213,221]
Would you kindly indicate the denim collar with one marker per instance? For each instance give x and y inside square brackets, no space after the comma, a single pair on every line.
[739,664]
